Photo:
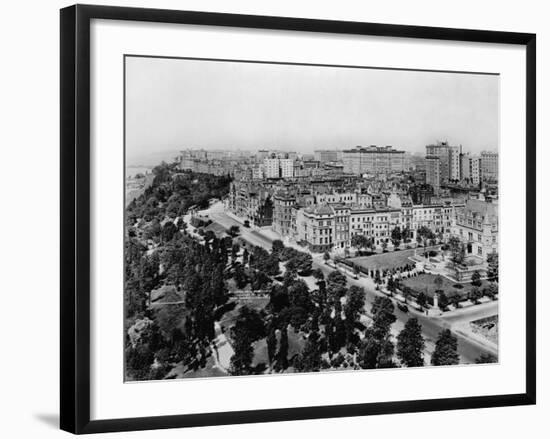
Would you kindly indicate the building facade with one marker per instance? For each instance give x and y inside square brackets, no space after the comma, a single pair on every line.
[476,225]
[325,155]
[374,160]
[489,165]
[433,173]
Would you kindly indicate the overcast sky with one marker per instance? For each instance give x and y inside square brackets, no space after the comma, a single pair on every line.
[173,104]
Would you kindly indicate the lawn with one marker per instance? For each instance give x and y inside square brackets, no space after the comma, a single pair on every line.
[384,261]
[425,283]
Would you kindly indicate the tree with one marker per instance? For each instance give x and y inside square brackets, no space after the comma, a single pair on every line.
[246,256]
[446,346]
[281,358]
[241,279]
[182,225]
[384,244]
[309,360]
[277,247]
[396,236]
[335,330]
[422,300]
[475,295]
[359,241]
[455,300]
[376,350]
[355,302]
[476,279]
[406,235]
[241,360]
[443,301]
[438,281]
[425,235]
[382,314]
[410,344]
[326,256]
[377,278]
[168,231]
[492,269]
[491,291]
[457,250]
[391,285]
[248,327]
[318,274]
[335,278]
[271,341]
[304,262]
[235,248]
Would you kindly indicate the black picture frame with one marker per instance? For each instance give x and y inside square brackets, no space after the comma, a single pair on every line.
[75,217]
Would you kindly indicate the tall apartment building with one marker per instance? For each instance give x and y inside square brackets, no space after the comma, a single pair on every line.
[325,155]
[257,172]
[274,167]
[454,163]
[489,165]
[476,172]
[440,150]
[433,172]
[471,169]
[282,213]
[287,168]
[373,159]
[271,168]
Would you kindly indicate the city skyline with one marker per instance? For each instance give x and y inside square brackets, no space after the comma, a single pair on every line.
[324,107]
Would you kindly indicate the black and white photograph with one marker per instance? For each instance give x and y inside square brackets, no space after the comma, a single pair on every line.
[288,218]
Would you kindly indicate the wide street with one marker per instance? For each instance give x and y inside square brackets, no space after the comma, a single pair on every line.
[469,349]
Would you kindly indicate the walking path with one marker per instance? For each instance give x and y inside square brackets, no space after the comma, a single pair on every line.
[223,351]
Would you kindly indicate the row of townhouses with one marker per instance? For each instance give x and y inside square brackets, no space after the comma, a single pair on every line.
[327,220]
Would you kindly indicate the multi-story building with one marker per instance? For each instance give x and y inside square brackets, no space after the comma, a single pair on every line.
[316,227]
[489,165]
[325,155]
[471,169]
[271,168]
[337,198]
[251,202]
[341,236]
[373,159]
[476,172]
[287,168]
[454,163]
[257,172]
[436,217]
[433,172]
[476,225]
[418,162]
[373,223]
[440,150]
[449,161]
[283,203]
